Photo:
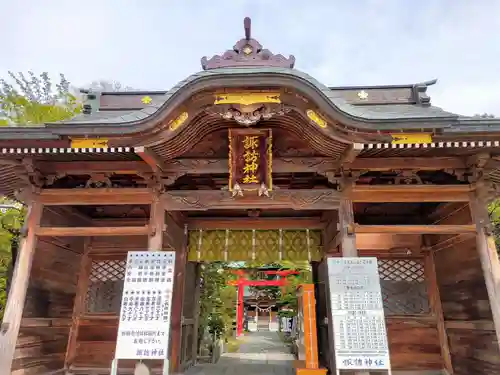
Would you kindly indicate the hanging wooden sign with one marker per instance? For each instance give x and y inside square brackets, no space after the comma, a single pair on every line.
[250,160]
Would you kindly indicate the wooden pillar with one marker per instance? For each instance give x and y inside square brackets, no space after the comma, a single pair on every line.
[348,240]
[488,255]
[346,229]
[331,240]
[157,224]
[197,294]
[177,298]
[155,240]
[9,330]
[437,308]
[79,304]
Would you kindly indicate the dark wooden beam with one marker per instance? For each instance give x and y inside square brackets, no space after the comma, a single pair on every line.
[299,199]
[470,325]
[75,197]
[412,163]
[410,193]
[119,222]
[45,322]
[280,165]
[92,231]
[416,229]
[86,167]
[255,223]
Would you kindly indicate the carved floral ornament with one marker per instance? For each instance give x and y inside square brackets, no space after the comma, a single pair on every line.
[178,121]
[362,95]
[248,108]
[146,100]
[316,119]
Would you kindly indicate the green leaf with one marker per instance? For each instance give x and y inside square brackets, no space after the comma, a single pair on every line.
[34,101]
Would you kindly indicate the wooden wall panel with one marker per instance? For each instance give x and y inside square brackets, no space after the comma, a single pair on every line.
[386,241]
[414,344]
[474,352]
[461,283]
[41,346]
[474,349]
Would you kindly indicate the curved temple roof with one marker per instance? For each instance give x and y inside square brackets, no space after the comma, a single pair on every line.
[379,109]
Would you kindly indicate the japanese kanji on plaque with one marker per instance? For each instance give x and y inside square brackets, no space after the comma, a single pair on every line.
[143,331]
[250,159]
[358,314]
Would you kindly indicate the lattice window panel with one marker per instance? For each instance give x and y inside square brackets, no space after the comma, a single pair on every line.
[404,290]
[105,286]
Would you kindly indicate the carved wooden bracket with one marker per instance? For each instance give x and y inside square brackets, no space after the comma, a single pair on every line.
[459,173]
[153,180]
[477,167]
[407,177]
[487,190]
[170,178]
[348,179]
[248,115]
[99,180]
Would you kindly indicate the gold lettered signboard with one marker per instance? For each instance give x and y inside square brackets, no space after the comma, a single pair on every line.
[250,159]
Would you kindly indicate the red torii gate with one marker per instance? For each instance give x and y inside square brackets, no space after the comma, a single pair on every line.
[243,282]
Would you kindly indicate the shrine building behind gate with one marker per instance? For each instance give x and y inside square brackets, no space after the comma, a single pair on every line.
[345,171]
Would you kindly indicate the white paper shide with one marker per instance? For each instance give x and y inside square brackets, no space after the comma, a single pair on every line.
[358,314]
[143,331]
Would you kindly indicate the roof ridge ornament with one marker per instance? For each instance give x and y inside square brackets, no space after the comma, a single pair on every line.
[420,92]
[247,52]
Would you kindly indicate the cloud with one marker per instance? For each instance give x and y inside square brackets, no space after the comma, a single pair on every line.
[154,44]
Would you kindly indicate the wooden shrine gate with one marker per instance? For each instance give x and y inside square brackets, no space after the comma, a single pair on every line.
[262,162]
[87,329]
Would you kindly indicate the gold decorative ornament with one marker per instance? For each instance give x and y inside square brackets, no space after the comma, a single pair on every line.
[146,100]
[247,50]
[89,143]
[250,114]
[363,95]
[411,138]
[178,121]
[314,117]
[248,98]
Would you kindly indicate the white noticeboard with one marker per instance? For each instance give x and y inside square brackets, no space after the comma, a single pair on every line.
[143,331]
[358,314]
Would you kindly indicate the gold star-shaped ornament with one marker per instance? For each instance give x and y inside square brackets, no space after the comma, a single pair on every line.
[146,100]
[363,95]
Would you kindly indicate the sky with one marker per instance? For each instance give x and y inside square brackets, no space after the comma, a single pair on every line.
[153,44]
